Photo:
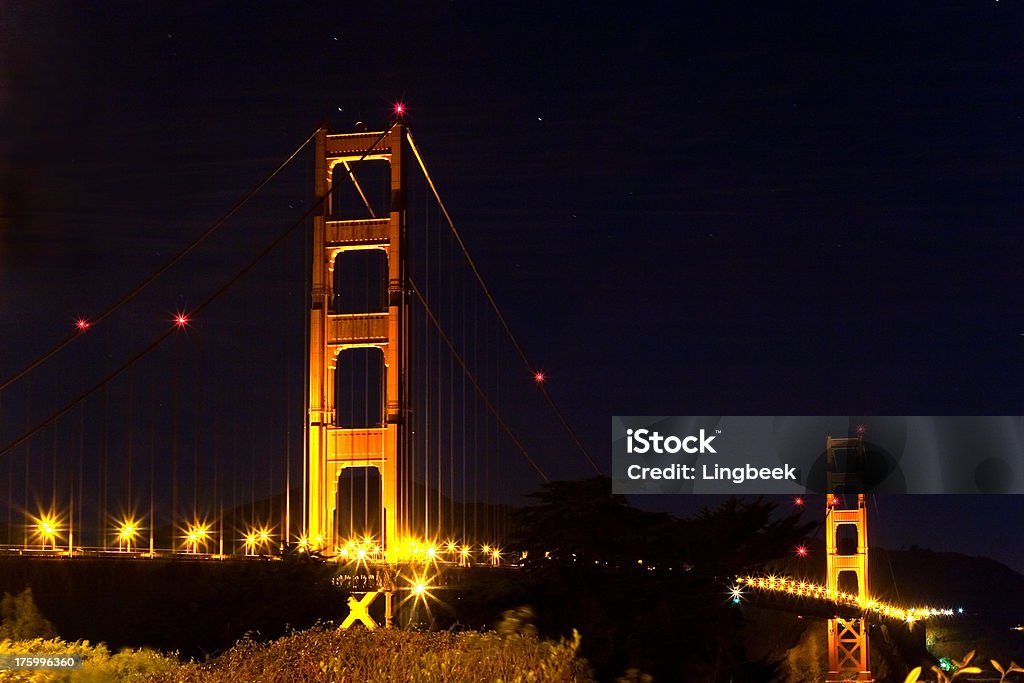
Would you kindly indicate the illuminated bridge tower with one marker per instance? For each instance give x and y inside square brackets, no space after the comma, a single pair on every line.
[847,638]
[333,448]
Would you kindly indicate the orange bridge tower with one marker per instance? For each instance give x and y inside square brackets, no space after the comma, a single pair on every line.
[333,447]
[847,638]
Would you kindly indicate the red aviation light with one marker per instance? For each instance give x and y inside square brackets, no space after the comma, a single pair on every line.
[538,377]
[82,324]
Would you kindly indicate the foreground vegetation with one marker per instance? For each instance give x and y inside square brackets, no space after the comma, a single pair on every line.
[322,654]
[648,592]
[99,665]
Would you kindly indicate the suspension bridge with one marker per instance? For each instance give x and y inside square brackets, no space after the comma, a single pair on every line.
[346,385]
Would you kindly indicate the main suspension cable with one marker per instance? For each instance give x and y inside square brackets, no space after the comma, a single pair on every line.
[156,342]
[494,305]
[131,294]
[468,373]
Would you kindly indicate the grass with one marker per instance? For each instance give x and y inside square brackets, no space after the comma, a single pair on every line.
[322,654]
[99,665]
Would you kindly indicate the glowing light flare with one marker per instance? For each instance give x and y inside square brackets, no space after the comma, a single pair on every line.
[801,551]
[399,109]
[181,320]
[82,324]
[861,429]
[128,531]
[197,533]
[538,377]
[361,550]
[257,537]
[420,587]
[798,501]
[797,588]
[250,543]
[48,527]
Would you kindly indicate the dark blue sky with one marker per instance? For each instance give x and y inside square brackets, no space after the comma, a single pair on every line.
[809,209]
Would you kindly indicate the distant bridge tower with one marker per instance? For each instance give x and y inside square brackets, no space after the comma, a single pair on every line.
[847,638]
[332,448]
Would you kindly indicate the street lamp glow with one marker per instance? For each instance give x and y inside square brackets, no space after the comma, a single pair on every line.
[257,538]
[127,531]
[250,544]
[47,529]
[197,533]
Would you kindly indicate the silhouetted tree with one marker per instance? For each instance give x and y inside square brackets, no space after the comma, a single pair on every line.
[583,522]
[648,591]
[20,619]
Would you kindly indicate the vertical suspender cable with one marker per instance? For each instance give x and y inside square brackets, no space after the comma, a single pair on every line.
[494,306]
[102,511]
[129,450]
[28,450]
[152,470]
[427,358]
[10,495]
[287,503]
[451,398]
[53,453]
[196,413]
[438,287]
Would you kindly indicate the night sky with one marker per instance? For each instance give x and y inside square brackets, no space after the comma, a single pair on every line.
[683,210]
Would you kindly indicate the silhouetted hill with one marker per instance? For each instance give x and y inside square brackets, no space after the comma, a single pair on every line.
[990,594]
